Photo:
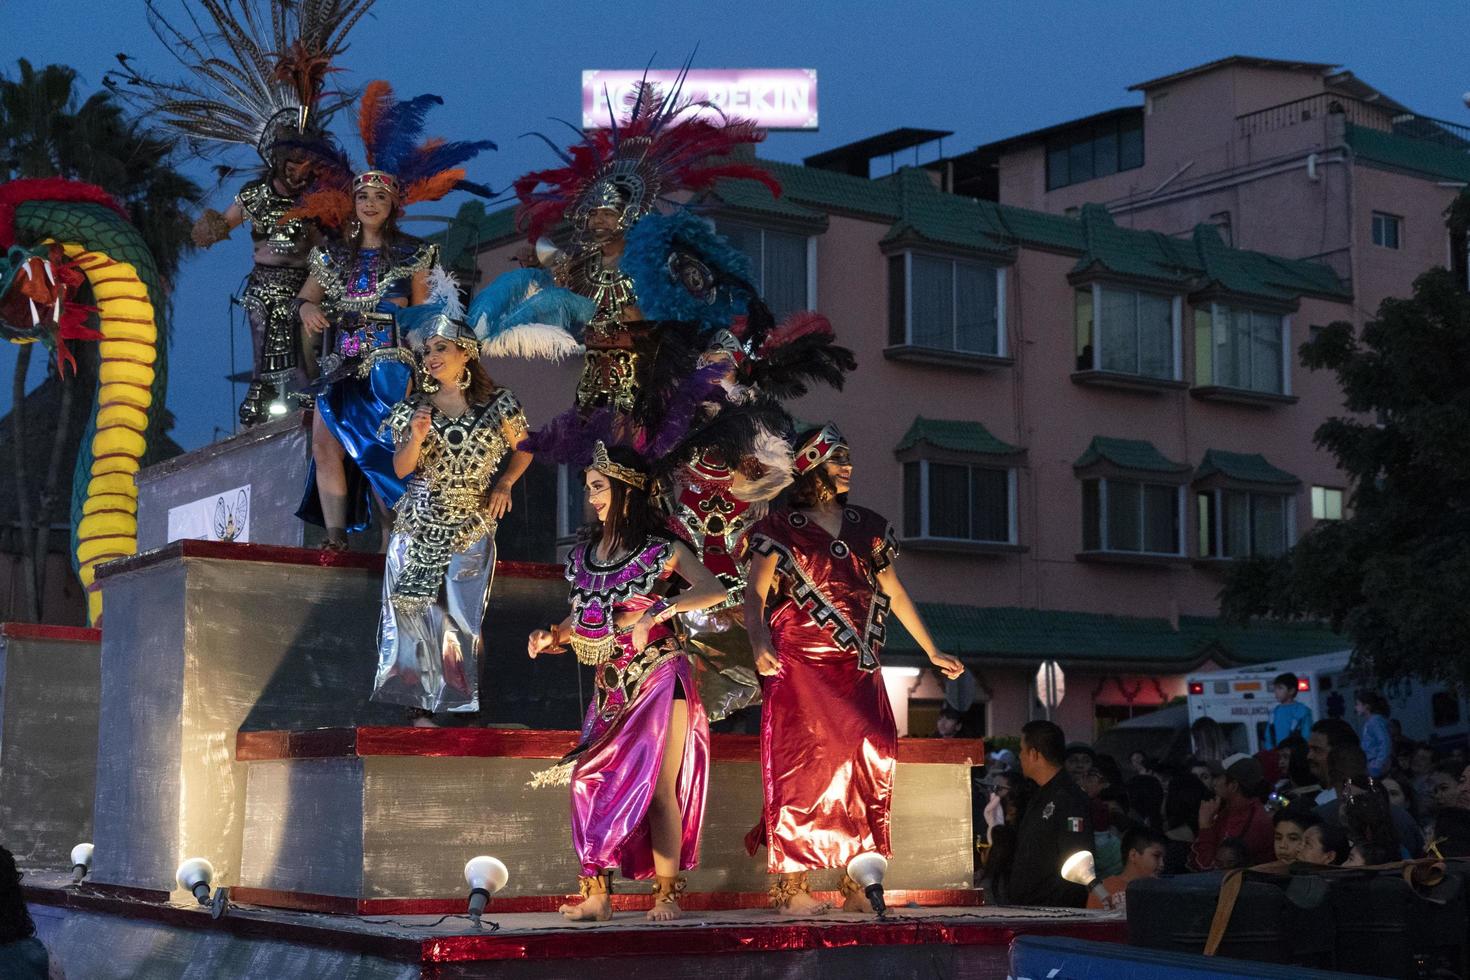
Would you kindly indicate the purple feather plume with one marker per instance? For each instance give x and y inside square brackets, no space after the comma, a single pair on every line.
[678,417]
[569,438]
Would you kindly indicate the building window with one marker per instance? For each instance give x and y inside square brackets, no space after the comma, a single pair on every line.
[946,304]
[1131,516]
[1245,349]
[1326,504]
[959,502]
[1127,332]
[1244,524]
[1386,229]
[1094,150]
[784,265]
[571,501]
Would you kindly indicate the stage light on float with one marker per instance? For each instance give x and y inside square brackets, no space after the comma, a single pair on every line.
[868,870]
[1080,869]
[278,406]
[485,875]
[81,862]
[195,876]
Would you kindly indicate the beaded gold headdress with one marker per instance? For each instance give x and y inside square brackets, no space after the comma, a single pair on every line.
[603,464]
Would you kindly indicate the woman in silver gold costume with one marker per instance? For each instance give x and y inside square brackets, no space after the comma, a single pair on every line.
[451,437]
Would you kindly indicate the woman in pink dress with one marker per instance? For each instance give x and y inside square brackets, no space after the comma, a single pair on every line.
[641,768]
[820,584]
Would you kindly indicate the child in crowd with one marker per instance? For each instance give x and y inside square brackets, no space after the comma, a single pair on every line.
[1289,716]
[1143,852]
[1291,826]
[1324,843]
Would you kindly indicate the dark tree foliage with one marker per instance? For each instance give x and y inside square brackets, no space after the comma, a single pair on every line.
[1395,573]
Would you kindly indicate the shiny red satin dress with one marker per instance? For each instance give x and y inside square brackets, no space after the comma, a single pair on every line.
[828,739]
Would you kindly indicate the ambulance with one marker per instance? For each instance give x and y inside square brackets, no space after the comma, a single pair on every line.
[1242,700]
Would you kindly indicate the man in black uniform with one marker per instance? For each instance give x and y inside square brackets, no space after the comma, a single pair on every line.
[1054,826]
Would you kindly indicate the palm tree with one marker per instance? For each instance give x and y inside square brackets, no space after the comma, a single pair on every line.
[46,131]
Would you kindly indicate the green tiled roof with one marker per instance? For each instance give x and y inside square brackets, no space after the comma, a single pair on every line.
[1078,638]
[963,437]
[471,230]
[1250,467]
[750,195]
[1130,454]
[918,209]
[944,219]
[1409,153]
[915,209]
[1261,643]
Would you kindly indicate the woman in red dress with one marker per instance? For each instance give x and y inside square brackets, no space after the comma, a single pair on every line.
[820,584]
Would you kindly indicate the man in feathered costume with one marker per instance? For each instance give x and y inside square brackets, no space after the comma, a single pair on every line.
[682,363]
[262,90]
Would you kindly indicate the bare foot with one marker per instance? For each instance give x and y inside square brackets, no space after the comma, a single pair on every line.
[664,912]
[857,902]
[802,904]
[593,908]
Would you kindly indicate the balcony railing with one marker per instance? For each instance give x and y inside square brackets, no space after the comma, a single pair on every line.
[1358,112]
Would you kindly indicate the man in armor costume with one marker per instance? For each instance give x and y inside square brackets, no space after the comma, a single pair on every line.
[257,79]
[677,342]
[282,361]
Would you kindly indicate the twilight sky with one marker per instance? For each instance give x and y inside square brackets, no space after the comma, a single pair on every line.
[985,70]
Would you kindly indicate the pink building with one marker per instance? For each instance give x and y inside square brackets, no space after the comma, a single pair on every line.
[1075,420]
[1299,159]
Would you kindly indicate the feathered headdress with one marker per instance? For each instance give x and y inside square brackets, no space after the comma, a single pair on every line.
[257,79]
[399,159]
[665,144]
[441,315]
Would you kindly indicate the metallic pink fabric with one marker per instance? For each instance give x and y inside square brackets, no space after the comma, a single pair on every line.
[614,779]
[828,739]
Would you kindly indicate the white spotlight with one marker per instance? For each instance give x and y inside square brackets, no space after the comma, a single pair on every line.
[868,870]
[81,862]
[278,406]
[485,875]
[1080,869]
[195,876]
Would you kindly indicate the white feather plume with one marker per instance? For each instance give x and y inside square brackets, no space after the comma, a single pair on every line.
[444,288]
[774,456]
[532,340]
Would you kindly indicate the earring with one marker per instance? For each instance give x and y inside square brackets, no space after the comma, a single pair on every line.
[427,384]
[465,380]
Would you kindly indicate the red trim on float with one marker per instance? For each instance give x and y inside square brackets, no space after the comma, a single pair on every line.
[653,941]
[43,631]
[518,743]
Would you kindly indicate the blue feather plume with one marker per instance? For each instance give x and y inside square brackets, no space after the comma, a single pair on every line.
[398,131]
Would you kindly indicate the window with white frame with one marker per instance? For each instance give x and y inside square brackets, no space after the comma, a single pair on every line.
[1386,229]
[959,502]
[946,304]
[1132,517]
[784,264]
[1128,331]
[1244,523]
[571,501]
[1326,504]
[1242,348]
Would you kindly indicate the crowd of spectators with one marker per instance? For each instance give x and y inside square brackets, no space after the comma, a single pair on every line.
[1322,793]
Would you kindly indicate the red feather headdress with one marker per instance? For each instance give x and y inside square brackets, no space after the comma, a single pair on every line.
[664,145]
